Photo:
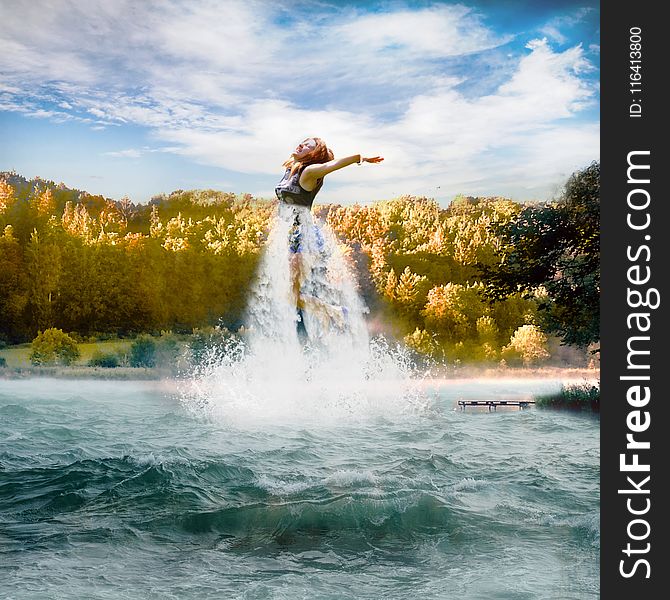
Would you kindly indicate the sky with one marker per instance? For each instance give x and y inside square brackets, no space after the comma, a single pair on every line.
[126,98]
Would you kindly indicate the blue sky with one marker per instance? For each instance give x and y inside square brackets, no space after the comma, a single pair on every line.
[140,98]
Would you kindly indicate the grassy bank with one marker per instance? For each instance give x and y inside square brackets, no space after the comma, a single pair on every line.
[83,372]
[18,357]
[17,364]
[585,397]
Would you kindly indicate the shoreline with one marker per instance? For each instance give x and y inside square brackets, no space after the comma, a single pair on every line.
[448,374]
[475,372]
[116,373]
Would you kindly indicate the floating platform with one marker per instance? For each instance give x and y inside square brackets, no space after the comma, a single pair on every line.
[494,404]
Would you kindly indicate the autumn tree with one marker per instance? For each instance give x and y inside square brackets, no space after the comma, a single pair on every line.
[528,344]
[452,310]
[93,265]
[7,198]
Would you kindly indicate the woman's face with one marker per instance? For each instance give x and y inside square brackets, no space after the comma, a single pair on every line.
[304,148]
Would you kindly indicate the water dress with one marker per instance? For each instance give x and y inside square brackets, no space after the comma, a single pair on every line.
[306,353]
[304,287]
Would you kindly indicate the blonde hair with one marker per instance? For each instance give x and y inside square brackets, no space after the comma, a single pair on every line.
[320,154]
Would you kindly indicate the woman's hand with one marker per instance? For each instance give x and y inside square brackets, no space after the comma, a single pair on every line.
[374,159]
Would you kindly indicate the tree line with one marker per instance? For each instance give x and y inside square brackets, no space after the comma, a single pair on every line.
[485,278]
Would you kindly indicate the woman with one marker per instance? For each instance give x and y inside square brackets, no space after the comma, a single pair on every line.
[305,171]
[310,162]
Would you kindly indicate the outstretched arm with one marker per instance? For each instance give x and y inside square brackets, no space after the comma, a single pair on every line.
[317,171]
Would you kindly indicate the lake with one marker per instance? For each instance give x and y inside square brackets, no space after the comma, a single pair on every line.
[121,489]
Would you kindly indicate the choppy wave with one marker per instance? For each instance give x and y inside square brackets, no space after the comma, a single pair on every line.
[145,496]
[198,496]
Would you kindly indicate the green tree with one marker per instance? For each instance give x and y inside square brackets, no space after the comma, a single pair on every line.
[53,346]
[44,269]
[411,291]
[105,360]
[168,350]
[487,336]
[13,287]
[143,352]
[555,248]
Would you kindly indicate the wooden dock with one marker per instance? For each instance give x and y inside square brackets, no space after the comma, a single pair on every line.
[494,404]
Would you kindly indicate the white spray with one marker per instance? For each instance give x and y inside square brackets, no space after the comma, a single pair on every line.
[306,354]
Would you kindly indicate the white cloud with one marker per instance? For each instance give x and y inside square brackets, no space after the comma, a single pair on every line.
[130,153]
[552,32]
[553,28]
[438,31]
[224,84]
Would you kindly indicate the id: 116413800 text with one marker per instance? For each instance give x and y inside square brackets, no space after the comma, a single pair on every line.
[635,74]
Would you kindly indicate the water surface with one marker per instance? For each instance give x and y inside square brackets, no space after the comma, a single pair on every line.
[115,490]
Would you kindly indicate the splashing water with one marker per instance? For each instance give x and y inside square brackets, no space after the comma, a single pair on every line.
[307,356]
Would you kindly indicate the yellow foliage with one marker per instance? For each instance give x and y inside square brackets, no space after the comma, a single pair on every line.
[7,197]
[528,343]
[45,203]
[77,222]
[421,341]
[420,257]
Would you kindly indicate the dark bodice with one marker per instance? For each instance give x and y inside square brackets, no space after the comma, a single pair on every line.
[290,191]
